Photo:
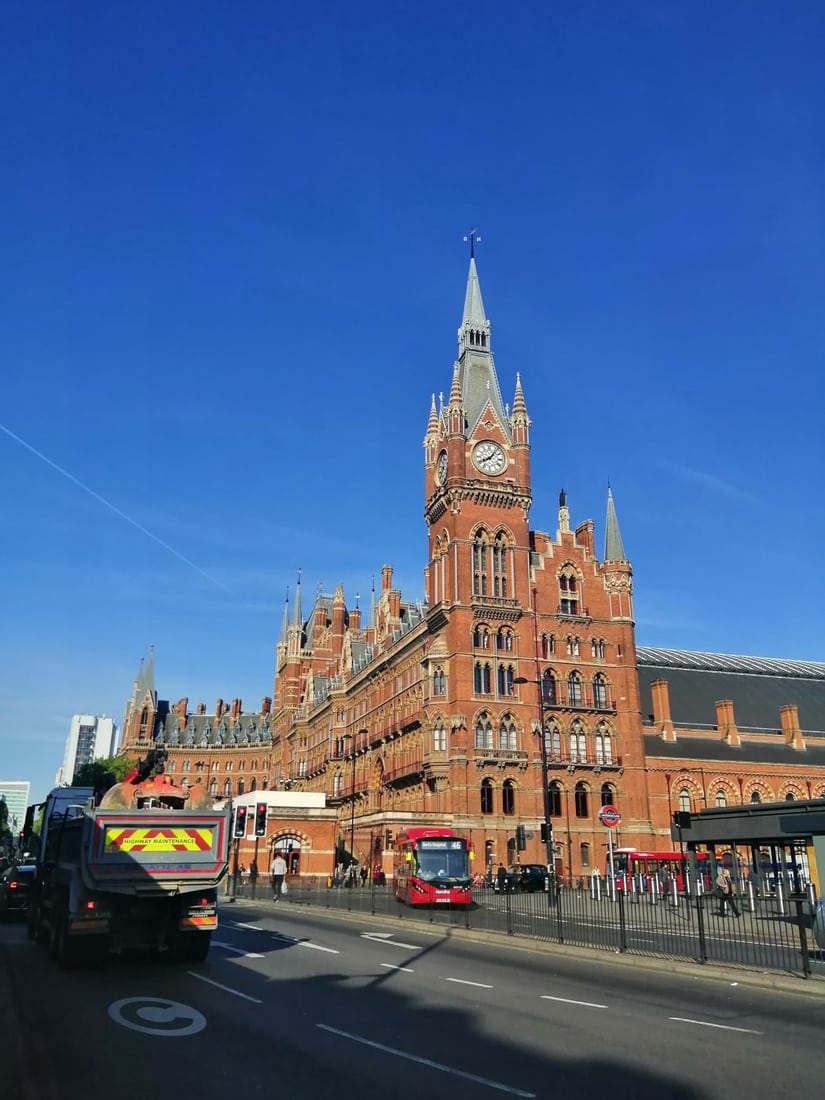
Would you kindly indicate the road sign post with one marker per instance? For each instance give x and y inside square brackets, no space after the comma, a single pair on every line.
[610,818]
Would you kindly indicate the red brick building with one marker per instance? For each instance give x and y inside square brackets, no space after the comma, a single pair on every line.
[431,711]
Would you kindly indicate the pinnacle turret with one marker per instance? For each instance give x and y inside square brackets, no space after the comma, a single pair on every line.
[613,548]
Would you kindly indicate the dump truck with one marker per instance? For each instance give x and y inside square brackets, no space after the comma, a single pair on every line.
[132,866]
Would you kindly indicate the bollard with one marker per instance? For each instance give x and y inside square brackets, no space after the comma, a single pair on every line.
[751,897]
[654,890]
[780,896]
[634,889]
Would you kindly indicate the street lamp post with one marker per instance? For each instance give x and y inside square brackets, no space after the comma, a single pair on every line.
[547,828]
[351,737]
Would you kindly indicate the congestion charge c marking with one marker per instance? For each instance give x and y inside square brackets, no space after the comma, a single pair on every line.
[157,1016]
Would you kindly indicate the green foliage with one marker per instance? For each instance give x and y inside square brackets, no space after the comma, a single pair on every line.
[89,774]
[4,816]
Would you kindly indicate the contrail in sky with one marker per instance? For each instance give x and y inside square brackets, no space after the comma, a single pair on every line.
[112,507]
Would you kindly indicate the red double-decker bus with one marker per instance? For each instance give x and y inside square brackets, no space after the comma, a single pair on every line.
[630,863]
[432,867]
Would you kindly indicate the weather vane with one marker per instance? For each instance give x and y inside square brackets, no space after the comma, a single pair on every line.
[474,239]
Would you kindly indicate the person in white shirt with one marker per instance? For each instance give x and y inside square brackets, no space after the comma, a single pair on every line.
[277,871]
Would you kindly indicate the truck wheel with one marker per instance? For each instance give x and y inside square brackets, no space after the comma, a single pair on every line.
[34,927]
[62,948]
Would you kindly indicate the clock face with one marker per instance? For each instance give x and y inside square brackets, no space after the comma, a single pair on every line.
[489,457]
[441,469]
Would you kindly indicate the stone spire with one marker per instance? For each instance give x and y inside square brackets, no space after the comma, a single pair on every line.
[476,369]
[613,548]
[282,637]
[297,619]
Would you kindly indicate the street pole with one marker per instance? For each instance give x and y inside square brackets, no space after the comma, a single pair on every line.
[352,812]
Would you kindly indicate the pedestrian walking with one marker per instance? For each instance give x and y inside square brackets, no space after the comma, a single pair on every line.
[726,892]
[277,872]
[501,879]
[253,876]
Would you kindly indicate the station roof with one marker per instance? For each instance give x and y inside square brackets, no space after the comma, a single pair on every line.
[758,686]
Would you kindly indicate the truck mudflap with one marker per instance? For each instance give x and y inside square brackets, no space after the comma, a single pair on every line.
[201,920]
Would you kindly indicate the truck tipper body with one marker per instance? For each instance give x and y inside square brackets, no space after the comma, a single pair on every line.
[134,870]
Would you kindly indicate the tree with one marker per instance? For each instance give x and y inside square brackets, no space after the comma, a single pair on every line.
[88,775]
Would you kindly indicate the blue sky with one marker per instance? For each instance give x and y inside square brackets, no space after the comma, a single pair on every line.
[233,273]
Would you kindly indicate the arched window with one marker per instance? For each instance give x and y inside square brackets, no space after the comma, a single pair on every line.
[214,766]
[552,741]
[508,797]
[500,566]
[599,692]
[549,690]
[554,793]
[604,745]
[790,797]
[582,801]
[721,797]
[439,682]
[756,797]
[574,690]
[578,743]
[481,637]
[584,853]
[227,788]
[608,795]
[684,800]
[337,785]
[484,733]
[480,564]
[253,784]
[507,741]
[213,788]
[548,645]
[505,679]
[568,591]
[481,678]
[486,796]
[597,648]
[241,787]
[228,766]
[504,641]
[186,766]
[439,737]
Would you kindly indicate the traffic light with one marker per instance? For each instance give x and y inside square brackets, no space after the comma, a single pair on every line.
[521,840]
[546,832]
[388,838]
[260,819]
[240,821]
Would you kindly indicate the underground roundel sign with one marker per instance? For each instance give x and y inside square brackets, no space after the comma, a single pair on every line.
[609,816]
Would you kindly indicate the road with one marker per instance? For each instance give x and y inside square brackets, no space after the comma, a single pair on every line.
[301,1003]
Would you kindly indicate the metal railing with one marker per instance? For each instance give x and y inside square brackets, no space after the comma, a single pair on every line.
[773,931]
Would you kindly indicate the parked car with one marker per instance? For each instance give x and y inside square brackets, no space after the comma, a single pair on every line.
[524,878]
[15,889]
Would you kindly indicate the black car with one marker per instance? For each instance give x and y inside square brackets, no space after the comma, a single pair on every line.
[525,878]
[15,889]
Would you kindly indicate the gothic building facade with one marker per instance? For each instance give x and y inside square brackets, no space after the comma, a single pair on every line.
[434,711]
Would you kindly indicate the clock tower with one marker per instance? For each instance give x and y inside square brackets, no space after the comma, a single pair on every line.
[477,477]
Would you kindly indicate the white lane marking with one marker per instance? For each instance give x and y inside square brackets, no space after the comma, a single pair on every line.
[567,1001]
[461,981]
[249,927]
[237,950]
[382,938]
[225,988]
[428,1062]
[304,943]
[706,1023]
[406,969]
[171,1019]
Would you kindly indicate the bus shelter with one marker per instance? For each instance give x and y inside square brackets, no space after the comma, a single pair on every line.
[764,843]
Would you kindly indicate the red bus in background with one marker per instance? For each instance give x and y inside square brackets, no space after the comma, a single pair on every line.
[629,863]
[432,867]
